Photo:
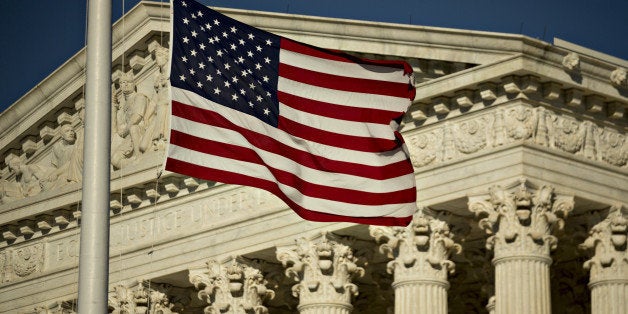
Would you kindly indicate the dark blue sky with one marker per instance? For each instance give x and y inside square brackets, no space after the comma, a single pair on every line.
[37,36]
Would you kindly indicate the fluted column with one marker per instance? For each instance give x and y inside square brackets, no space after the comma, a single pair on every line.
[323,268]
[421,263]
[609,265]
[235,286]
[520,224]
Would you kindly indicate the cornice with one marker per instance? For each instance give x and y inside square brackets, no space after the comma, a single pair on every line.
[518,77]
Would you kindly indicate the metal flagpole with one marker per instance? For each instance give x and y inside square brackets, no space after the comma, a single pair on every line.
[94,254]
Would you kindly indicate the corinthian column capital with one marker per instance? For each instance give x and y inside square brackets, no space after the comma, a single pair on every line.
[421,249]
[609,265]
[234,286]
[608,240]
[324,268]
[420,264]
[520,222]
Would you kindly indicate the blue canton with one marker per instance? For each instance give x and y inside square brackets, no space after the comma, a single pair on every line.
[225,61]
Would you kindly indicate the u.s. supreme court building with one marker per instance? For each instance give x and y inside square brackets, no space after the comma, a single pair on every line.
[521,164]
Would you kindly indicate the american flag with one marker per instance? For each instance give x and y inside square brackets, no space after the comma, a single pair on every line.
[318,128]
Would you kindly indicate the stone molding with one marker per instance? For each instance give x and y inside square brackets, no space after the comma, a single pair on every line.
[511,78]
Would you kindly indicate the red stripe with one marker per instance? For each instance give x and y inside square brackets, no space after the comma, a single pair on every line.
[349,84]
[240,179]
[347,113]
[301,48]
[363,144]
[268,143]
[306,188]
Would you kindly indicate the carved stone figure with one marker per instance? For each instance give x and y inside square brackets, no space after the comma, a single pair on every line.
[571,61]
[425,148]
[29,180]
[618,77]
[520,123]
[161,59]
[569,135]
[129,122]
[156,135]
[64,159]
[28,260]
[612,148]
[470,136]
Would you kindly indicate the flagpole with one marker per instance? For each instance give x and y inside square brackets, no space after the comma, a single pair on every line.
[94,249]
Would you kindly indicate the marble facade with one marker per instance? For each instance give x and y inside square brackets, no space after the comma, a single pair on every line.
[521,162]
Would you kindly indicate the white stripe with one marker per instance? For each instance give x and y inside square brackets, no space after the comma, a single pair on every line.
[280,162]
[347,69]
[333,96]
[252,123]
[258,171]
[352,128]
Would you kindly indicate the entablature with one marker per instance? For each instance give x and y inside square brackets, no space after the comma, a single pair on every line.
[519,77]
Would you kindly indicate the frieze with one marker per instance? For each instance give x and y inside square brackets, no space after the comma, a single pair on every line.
[454,140]
[189,218]
[21,262]
[173,222]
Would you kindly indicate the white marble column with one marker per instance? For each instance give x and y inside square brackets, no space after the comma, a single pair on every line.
[421,263]
[234,286]
[609,265]
[520,224]
[323,268]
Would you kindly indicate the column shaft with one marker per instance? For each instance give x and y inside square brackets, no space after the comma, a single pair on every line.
[416,297]
[325,309]
[522,286]
[609,298]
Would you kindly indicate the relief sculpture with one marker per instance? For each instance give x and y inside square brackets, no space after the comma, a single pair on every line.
[520,123]
[28,260]
[424,148]
[158,128]
[67,159]
[140,123]
[28,180]
[129,121]
[471,136]
[569,135]
[612,146]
